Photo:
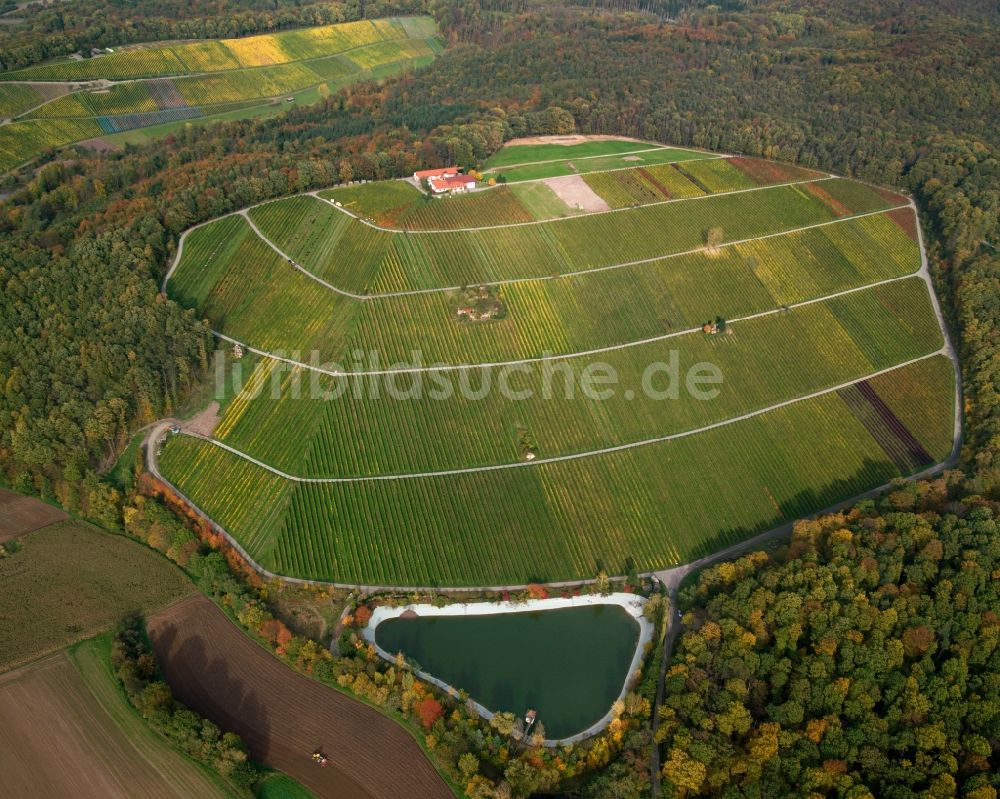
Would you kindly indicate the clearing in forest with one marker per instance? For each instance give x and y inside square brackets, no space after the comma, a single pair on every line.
[148,90]
[803,291]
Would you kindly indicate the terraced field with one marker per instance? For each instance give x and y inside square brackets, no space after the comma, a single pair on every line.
[156,84]
[362,259]
[388,435]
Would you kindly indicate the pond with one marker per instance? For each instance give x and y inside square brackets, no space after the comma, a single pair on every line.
[567,663]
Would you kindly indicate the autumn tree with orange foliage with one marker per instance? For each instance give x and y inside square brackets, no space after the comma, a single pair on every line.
[429,710]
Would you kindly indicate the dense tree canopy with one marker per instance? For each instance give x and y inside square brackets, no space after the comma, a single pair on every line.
[864,662]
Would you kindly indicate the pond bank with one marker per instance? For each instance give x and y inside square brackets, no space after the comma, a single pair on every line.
[633,605]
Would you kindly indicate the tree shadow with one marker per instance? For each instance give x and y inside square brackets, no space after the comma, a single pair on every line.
[205,685]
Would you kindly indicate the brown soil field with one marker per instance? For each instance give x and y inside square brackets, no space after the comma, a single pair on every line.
[20,515]
[217,670]
[68,731]
[568,139]
[574,191]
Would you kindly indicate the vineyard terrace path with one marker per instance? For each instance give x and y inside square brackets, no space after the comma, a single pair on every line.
[244,212]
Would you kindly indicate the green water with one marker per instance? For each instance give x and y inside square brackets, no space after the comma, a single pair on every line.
[568,664]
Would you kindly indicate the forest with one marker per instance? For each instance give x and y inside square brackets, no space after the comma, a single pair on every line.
[861,662]
[903,93]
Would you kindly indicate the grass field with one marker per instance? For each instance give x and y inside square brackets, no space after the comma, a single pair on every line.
[170,83]
[279,786]
[70,581]
[69,731]
[495,474]
[564,164]
[533,153]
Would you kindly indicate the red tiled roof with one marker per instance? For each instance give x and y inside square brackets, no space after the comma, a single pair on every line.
[452,182]
[434,173]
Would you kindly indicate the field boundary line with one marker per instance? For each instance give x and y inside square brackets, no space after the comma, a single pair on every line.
[569,355]
[175,261]
[574,273]
[479,228]
[496,467]
[487,169]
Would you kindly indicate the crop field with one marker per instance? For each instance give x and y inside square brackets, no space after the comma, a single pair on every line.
[383,261]
[628,187]
[594,163]
[154,60]
[283,715]
[171,82]
[269,305]
[657,504]
[497,469]
[16,99]
[716,175]
[848,337]
[50,600]
[69,731]
[20,141]
[20,515]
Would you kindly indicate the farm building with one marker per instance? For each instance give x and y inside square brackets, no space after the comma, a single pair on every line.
[451,183]
[427,174]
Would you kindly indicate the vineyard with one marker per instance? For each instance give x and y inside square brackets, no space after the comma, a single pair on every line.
[245,288]
[164,84]
[227,54]
[651,506]
[628,187]
[398,204]
[358,258]
[16,99]
[823,344]
[806,303]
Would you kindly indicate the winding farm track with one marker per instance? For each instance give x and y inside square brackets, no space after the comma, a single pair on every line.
[496,467]
[245,213]
[670,577]
[216,669]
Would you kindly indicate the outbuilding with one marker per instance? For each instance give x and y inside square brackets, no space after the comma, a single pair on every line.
[451,183]
[427,174]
